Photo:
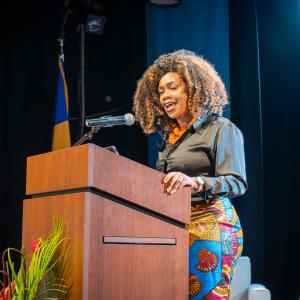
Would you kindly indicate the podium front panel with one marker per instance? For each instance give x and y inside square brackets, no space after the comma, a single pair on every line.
[118,251]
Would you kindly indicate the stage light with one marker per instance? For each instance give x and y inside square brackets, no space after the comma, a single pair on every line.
[95,24]
[165,2]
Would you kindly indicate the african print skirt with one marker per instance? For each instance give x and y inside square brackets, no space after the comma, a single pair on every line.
[216,242]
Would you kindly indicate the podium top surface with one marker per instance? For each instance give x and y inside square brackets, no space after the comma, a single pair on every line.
[90,166]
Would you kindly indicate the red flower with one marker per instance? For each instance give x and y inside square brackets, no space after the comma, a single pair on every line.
[4,294]
[34,245]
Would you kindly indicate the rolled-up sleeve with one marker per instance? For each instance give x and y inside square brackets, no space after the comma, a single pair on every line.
[230,174]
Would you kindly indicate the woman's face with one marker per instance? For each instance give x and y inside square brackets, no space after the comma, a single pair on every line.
[173,96]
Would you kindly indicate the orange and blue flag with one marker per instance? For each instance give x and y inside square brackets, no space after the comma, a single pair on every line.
[61,131]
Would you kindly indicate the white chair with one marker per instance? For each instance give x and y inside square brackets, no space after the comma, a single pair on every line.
[241,287]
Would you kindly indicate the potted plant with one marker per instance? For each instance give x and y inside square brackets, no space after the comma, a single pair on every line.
[43,274]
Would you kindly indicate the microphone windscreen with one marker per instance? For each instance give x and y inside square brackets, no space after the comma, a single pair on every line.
[129,119]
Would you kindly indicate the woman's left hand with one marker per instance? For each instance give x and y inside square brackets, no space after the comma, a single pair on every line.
[174,181]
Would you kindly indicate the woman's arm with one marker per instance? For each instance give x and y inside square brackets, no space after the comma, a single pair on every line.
[230,173]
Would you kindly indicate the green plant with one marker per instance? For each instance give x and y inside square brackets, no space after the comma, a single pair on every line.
[43,274]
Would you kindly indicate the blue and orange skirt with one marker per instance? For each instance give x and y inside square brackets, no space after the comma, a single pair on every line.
[216,243]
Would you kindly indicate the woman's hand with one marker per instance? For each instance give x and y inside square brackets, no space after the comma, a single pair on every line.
[174,181]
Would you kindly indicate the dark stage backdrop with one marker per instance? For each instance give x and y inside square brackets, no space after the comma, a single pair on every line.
[29,47]
[264,88]
[265,64]
[199,26]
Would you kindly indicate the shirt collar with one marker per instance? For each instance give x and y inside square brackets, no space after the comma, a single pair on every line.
[198,124]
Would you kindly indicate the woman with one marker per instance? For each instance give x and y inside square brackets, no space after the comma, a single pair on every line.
[182,97]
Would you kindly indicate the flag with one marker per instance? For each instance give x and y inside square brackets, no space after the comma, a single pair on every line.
[61,131]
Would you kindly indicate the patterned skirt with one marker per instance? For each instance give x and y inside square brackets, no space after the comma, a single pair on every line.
[216,243]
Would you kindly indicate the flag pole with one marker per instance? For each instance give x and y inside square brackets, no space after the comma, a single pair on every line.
[81,81]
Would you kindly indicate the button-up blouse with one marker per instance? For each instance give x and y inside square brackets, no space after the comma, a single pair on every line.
[212,147]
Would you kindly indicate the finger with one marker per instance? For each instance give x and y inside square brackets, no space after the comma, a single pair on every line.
[171,183]
[168,176]
[166,179]
[182,184]
[177,183]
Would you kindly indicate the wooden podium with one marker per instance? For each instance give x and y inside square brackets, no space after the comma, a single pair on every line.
[127,236]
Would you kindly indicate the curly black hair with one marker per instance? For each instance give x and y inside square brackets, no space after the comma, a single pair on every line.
[206,91]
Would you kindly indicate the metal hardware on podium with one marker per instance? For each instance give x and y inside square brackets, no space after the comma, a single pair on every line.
[88,136]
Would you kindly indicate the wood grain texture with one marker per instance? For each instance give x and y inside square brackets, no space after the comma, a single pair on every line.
[92,166]
[58,170]
[113,271]
[135,272]
[139,184]
[38,214]
[101,270]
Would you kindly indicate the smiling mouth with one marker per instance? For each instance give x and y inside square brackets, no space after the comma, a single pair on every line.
[169,107]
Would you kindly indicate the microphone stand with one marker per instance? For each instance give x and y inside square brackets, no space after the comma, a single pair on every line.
[88,136]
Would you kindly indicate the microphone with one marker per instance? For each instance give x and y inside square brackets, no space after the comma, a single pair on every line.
[109,121]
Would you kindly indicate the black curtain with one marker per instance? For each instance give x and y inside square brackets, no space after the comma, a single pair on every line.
[28,78]
[264,63]
[264,60]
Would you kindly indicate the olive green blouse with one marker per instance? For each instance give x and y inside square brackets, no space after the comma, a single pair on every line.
[213,148]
